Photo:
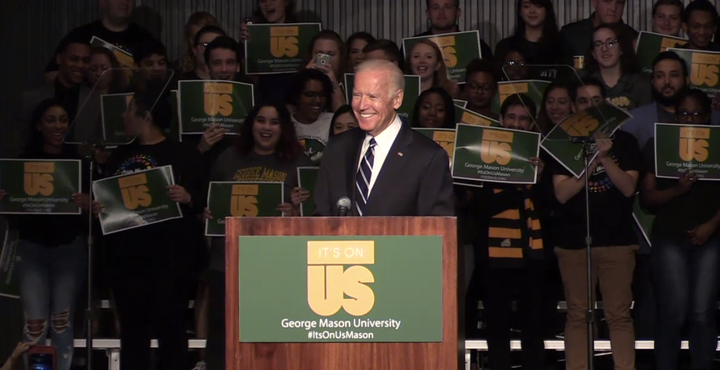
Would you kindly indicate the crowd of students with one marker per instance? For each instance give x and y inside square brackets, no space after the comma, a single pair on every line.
[152,271]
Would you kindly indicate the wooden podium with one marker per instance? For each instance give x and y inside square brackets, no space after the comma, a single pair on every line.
[445,355]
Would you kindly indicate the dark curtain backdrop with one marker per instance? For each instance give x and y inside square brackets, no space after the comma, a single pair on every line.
[32,28]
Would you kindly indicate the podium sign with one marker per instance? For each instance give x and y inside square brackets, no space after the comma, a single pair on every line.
[340,289]
[351,293]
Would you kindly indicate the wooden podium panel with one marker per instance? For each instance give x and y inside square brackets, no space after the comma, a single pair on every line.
[445,355]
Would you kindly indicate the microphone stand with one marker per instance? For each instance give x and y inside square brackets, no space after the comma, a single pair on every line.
[590,313]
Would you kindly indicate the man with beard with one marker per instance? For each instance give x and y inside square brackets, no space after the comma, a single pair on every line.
[669,80]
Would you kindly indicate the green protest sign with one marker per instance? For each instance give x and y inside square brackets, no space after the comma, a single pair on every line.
[458,50]
[277,48]
[241,199]
[205,103]
[643,220]
[112,108]
[463,115]
[307,177]
[495,154]
[135,200]
[123,57]
[704,71]
[532,88]
[312,276]
[605,118]
[444,137]
[687,147]
[47,186]
[650,44]
[9,283]
[411,93]
[460,103]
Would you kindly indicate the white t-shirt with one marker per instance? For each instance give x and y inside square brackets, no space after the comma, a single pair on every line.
[314,137]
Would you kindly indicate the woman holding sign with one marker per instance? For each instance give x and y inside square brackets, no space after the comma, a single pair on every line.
[686,249]
[425,59]
[266,151]
[51,250]
[154,253]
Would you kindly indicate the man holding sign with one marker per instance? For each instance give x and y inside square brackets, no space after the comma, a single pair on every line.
[384,167]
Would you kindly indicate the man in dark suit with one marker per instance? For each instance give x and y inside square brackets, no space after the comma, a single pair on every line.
[384,167]
[73,58]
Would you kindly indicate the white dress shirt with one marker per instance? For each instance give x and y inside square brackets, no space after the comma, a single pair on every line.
[384,142]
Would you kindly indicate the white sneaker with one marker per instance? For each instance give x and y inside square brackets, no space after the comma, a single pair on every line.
[200,366]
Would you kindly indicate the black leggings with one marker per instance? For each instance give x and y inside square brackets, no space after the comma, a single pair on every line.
[215,352]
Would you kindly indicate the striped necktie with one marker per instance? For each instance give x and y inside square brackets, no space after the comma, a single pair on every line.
[362,180]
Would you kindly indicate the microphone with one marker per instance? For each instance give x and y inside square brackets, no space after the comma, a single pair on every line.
[343,206]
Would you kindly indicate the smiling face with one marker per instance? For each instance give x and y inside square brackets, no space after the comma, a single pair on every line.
[667,20]
[587,96]
[356,54]
[312,100]
[266,130]
[432,111]
[424,61]
[223,64]
[53,126]
[443,14]
[273,10]
[73,63]
[700,29]
[606,48]
[532,14]
[517,117]
[690,111]
[375,100]
[97,76]
[558,104]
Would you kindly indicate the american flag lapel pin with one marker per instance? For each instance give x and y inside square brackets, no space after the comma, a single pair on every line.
[400,154]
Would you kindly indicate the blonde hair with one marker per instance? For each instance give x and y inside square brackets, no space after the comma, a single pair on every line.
[397,79]
[197,19]
[440,78]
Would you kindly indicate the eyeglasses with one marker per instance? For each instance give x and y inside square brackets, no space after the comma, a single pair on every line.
[203,44]
[609,44]
[482,88]
[515,63]
[693,115]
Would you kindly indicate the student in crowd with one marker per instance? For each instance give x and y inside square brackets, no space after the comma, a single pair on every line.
[700,21]
[328,42]
[114,27]
[536,36]
[197,21]
[203,38]
[271,87]
[73,57]
[51,253]
[343,120]
[266,145]
[310,92]
[614,174]
[611,59]
[151,62]
[444,16]
[354,49]
[516,264]
[512,66]
[154,266]
[434,108]
[667,17]
[481,86]
[385,50]
[104,72]
[578,35]
[556,106]
[425,59]
[685,247]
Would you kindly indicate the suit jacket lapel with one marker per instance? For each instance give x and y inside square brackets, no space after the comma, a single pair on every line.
[352,160]
[395,160]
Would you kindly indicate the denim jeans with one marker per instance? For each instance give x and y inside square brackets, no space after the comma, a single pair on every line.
[50,279]
[685,278]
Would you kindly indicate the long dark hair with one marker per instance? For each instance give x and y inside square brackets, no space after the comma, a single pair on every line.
[36,141]
[544,122]
[347,108]
[449,107]
[628,59]
[550,30]
[287,149]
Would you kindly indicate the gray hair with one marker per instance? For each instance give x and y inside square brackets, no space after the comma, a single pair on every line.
[397,79]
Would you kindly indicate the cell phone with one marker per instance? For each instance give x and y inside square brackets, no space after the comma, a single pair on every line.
[42,358]
[248,20]
[322,59]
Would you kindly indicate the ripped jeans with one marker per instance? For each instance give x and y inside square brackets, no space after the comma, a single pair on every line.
[50,280]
